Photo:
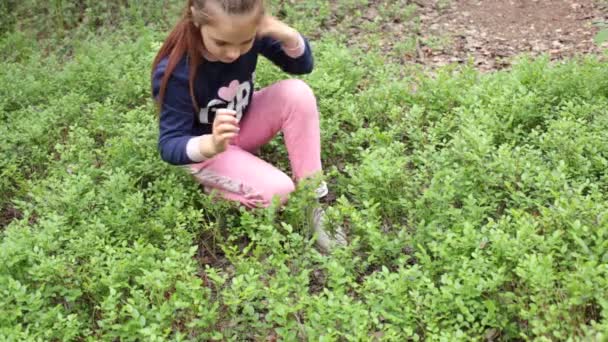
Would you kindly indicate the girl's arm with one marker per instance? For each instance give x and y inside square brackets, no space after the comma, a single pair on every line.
[285,47]
[175,141]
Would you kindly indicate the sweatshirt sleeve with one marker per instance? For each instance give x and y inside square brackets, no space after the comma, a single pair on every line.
[177,115]
[293,60]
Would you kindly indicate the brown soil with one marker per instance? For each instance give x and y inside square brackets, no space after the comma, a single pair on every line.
[7,215]
[491,32]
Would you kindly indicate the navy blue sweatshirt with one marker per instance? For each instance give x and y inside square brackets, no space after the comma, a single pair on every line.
[217,85]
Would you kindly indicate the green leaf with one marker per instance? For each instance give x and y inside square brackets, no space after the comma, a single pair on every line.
[601,37]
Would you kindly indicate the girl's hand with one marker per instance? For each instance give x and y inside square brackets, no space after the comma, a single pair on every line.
[274,28]
[225,127]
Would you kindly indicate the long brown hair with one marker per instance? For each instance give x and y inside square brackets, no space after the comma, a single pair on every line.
[186,39]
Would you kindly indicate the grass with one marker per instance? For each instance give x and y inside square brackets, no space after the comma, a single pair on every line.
[475,204]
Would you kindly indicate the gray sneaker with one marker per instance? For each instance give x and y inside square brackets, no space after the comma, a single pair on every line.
[326,241]
[321,191]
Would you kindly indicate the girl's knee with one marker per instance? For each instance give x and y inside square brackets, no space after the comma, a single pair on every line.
[295,90]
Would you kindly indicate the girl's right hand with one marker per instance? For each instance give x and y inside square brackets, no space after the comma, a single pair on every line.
[225,127]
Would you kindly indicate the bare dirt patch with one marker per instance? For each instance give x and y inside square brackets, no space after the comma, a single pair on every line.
[7,215]
[491,32]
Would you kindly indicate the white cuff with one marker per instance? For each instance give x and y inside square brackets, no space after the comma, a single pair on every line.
[295,52]
[193,151]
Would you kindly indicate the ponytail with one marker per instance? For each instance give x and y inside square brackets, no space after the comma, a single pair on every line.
[184,39]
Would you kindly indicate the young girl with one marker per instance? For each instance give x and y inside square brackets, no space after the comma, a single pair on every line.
[211,119]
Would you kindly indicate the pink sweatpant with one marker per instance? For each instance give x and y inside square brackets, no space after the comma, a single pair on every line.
[237,174]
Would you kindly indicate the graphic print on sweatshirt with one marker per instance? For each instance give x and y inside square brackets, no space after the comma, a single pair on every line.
[234,96]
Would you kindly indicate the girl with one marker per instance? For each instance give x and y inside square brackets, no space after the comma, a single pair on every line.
[212,120]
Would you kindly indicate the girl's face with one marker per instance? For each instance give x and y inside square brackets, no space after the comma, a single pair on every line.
[228,36]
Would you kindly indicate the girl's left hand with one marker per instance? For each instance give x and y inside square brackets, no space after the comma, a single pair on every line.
[274,28]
